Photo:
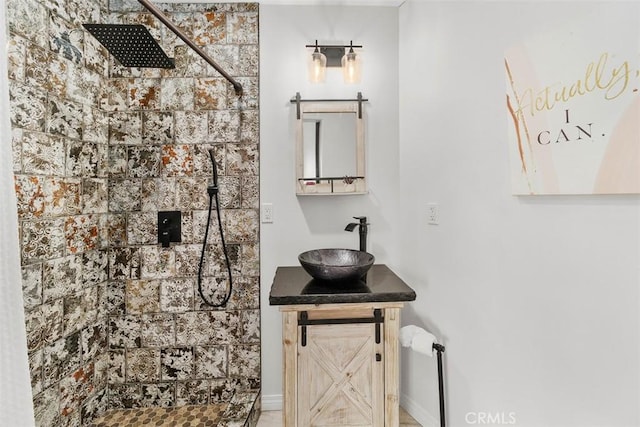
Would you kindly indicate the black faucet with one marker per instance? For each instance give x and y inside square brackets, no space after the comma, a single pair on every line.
[363,230]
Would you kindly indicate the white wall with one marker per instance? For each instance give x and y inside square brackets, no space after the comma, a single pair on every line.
[308,222]
[15,386]
[535,298]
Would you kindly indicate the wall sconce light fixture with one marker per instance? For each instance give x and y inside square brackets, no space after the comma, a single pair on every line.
[317,65]
[325,56]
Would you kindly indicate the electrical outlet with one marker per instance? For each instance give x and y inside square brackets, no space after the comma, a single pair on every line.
[433,213]
[267,212]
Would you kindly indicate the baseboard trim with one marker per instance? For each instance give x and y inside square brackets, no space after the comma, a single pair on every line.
[419,413]
[272,402]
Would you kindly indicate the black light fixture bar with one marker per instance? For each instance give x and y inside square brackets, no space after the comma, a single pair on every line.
[333,52]
[357,46]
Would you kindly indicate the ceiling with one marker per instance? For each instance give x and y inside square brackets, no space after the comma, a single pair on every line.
[335,2]
[304,2]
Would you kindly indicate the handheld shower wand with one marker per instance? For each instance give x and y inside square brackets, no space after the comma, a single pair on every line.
[213,187]
[212,190]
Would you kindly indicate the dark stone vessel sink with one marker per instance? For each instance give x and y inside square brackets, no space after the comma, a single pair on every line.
[336,265]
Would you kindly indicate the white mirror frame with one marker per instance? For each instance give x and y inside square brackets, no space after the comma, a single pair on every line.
[331,185]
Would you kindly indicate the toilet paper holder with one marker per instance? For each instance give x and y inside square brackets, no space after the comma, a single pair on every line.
[439,348]
[419,339]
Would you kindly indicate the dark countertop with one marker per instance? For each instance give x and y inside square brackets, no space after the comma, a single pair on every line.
[293,285]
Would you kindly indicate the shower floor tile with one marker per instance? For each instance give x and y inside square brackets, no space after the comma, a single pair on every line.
[187,416]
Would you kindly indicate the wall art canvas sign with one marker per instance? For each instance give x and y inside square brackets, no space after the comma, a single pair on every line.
[573,106]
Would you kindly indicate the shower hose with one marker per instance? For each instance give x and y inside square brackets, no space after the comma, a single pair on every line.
[213,193]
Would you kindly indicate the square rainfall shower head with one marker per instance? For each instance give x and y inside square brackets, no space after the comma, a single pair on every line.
[131,45]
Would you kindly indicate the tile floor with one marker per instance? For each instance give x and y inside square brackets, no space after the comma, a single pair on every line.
[240,412]
[274,419]
[188,416]
[198,416]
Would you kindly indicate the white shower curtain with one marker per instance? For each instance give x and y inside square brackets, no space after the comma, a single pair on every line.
[15,387]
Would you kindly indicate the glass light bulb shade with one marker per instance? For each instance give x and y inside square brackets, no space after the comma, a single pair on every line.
[351,67]
[317,67]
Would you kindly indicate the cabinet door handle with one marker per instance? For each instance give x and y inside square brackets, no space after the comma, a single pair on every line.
[378,318]
[378,357]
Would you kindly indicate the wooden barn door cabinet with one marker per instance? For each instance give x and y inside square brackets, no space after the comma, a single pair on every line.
[341,364]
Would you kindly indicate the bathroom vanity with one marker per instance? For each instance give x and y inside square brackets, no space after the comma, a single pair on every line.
[340,347]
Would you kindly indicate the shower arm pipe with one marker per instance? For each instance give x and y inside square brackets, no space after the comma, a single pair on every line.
[178,32]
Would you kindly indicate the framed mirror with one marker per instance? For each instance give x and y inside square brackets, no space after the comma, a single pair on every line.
[330,157]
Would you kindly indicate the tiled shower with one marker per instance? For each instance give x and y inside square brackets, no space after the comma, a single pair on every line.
[113,319]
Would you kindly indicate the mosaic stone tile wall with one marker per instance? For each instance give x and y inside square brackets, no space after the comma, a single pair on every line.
[60,138]
[113,319]
[166,347]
